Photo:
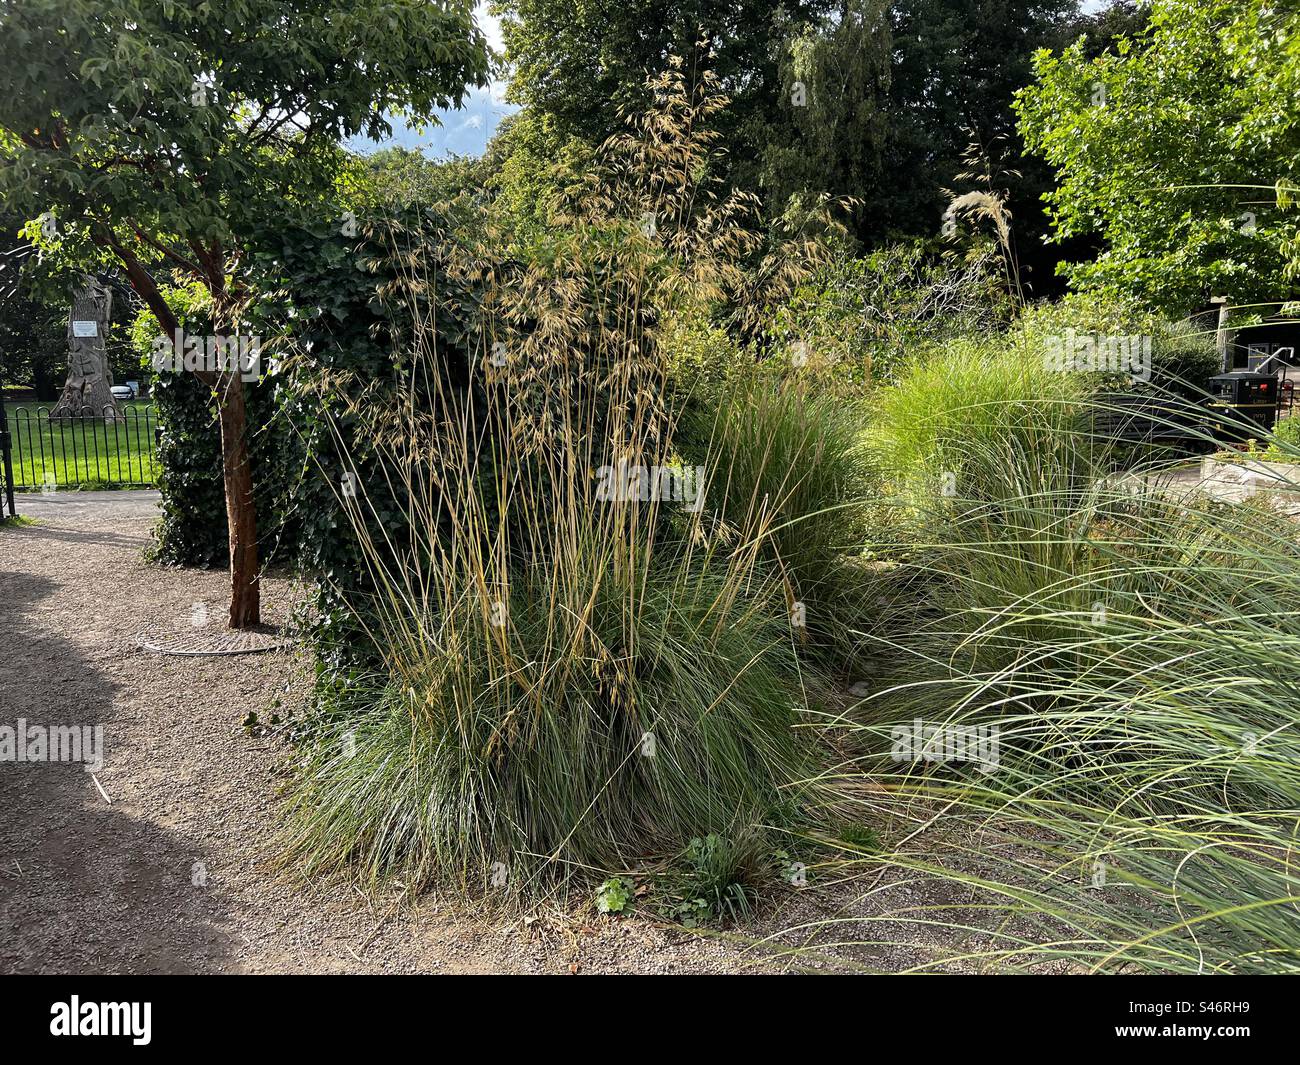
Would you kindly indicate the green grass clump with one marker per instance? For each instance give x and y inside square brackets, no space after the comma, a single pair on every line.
[579,669]
[789,470]
[1137,652]
[718,880]
[965,420]
[578,737]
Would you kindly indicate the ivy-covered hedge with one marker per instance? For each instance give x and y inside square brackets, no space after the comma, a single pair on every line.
[192,531]
[336,323]
[322,315]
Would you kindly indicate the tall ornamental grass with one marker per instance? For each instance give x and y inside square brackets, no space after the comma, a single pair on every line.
[584,666]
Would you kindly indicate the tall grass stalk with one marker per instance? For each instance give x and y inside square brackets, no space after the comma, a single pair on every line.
[570,683]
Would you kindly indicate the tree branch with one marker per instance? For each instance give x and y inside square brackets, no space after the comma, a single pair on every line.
[186,264]
[147,288]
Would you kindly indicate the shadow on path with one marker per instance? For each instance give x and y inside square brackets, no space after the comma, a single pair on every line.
[85,887]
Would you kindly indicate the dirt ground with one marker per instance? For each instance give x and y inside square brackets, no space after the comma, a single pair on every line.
[167,869]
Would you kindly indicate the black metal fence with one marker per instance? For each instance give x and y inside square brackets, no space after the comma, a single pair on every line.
[109,452]
[6,465]
[1286,398]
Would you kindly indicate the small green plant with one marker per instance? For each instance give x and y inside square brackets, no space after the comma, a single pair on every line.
[1284,441]
[692,912]
[716,880]
[787,868]
[614,896]
[1287,432]
[860,838]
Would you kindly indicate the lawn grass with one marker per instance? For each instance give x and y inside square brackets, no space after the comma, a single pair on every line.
[80,454]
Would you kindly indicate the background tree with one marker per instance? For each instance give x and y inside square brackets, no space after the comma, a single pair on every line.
[32,336]
[1103,29]
[895,89]
[956,70]
[1172,149]
[397,176]
[583,63]
[165,135]
[835,82]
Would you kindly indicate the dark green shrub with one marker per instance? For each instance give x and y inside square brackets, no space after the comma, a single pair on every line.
[863,318]
[192,530]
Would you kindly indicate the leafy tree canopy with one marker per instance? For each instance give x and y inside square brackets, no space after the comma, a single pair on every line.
[163,131]
[1173,148]
[170,136]
[893,89]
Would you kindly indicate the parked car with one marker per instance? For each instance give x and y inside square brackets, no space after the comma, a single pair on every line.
[122,392]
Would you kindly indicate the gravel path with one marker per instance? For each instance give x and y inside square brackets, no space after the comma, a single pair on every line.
[171,873]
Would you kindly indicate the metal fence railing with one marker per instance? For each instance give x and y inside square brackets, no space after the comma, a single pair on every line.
[1286,398]
[110,452]
[6,465]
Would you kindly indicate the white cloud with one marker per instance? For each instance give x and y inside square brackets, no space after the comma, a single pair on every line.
[466,130]
[489,24]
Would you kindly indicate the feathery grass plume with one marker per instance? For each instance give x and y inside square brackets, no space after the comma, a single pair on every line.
[581,669]
[989,203]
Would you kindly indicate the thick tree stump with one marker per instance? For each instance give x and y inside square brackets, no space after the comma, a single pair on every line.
[87,393]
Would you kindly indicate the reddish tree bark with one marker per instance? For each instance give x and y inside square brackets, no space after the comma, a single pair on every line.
[236,469]
[241,516]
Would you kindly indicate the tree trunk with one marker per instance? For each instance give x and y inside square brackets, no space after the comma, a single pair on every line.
[87,392]
[241,518]
[43,380]
[237,472]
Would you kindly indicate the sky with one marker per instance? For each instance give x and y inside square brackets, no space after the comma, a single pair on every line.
[467,130]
